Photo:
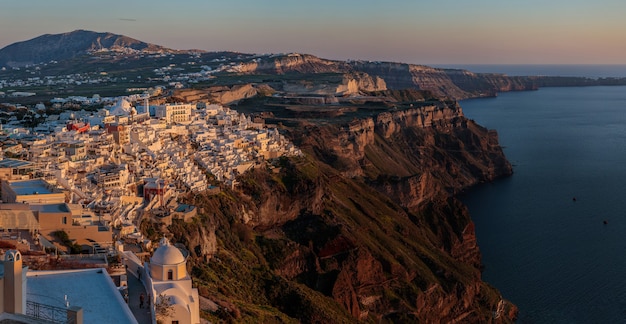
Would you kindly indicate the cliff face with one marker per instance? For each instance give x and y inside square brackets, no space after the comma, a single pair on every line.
[354,83]
[365,226]
[488,84]
[455,84]
[232,94]
[220,94]
[336,85]
[374,76]
[451,83]
[418,158]
[302,63]
[370,147]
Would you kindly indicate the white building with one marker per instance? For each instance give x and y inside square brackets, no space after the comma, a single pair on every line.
[168,276]
[72,296]
[174,113]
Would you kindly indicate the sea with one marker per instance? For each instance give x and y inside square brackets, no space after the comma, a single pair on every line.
[553,235]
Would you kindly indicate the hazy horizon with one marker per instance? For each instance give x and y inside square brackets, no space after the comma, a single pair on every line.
[452,32]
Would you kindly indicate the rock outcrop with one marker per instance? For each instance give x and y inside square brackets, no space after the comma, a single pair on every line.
[301,63]
[357,82]
[229,95]
[340,85]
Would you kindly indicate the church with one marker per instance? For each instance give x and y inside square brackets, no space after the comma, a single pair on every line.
[167,276]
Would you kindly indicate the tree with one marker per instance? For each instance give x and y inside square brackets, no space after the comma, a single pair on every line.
[163,308]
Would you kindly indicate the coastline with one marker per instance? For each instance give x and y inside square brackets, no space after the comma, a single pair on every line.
[535,240]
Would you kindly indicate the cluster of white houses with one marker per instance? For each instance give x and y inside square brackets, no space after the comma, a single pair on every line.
[103,166]
[85,173]
[115,148]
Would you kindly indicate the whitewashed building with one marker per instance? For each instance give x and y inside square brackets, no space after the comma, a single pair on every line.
[174,113]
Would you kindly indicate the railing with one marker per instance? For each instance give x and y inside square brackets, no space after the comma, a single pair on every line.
[95,256]
[47,313]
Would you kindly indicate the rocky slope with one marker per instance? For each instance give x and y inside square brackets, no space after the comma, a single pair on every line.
[364,227]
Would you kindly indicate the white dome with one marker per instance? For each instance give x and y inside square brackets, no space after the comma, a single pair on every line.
[122,107]
[167,254]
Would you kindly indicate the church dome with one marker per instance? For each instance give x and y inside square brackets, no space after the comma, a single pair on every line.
[122,107]
[167,254]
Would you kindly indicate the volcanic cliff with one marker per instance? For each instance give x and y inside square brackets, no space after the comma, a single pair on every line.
[452,83]
[365,226]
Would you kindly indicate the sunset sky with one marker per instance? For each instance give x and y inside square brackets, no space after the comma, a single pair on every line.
[437,32]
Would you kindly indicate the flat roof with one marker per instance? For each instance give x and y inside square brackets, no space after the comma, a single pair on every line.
[51,208]
[91,289]
[13,163]
[30,187]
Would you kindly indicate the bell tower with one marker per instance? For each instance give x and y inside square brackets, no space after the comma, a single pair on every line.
[13,283]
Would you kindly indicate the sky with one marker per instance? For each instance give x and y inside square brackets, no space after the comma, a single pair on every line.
[409,31]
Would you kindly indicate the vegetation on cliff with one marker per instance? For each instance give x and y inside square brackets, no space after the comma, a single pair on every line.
[364,227]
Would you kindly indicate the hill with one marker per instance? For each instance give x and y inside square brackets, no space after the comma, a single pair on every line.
[57,47]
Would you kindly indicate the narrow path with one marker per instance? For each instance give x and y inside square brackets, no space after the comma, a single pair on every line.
[135,288]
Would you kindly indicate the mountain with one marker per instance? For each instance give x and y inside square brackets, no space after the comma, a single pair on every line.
[64,46]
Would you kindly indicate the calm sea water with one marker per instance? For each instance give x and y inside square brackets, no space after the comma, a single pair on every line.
[552,256]
[584,70]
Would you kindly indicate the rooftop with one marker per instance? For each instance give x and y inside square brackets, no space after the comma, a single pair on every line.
[167,255]
[52,208]
[30,187]
[13,163]
[101,303]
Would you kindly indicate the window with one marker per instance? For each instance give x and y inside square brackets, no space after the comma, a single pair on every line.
[174,322]
[64,220]
[170,275]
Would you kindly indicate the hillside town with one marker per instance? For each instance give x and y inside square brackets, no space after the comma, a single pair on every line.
[111,166]
[81,182]
[188,69]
